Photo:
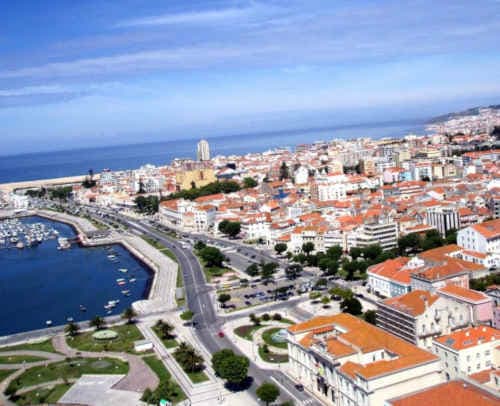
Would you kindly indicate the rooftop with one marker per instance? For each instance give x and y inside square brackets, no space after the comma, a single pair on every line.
[413,303]
[456,393]
[469,337]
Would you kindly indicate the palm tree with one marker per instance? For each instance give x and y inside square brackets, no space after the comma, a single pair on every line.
[129,314]
[72,329]
[97,322]
[188,358]
[166,330]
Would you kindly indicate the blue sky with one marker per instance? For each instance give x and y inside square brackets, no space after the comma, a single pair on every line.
[109,72]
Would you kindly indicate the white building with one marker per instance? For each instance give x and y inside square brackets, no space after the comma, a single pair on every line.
[483,238]
[203,151]
[443,218]
[468,351]
[345,361]
[419,316]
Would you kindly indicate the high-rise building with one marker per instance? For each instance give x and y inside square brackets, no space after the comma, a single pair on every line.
[203,151]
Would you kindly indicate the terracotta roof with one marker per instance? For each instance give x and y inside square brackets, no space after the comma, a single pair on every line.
[412,303]
[393,269]
[488,229]
[463,293]
[456,393]
[469,337]
[482,376]
[363,337]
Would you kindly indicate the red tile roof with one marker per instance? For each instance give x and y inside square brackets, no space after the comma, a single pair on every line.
[412,303]
[469,337]
[456,393]
[463,293]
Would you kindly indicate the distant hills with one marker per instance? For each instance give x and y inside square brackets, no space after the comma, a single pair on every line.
[473,111]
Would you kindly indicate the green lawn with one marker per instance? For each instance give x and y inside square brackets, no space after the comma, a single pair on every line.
[67,369]
[127,334]
[167,342]
[39,346]
[272,357]
[197,377]
[19,359]
[175,391]
[42,395]
[267,337]
[246,331]
[4,373]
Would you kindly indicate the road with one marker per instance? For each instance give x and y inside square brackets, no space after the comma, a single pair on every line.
[207,323]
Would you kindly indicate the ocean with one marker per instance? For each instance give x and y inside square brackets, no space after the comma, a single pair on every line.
[46,165]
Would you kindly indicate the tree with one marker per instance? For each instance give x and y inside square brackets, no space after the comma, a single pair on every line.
[212,256]
[97,322]
[189,359]
[352,306]
[254,319]
[432,240]
[372,251]
[280,248]
[165,329]
[129,314]
[232,229]
[72,329]
[284,172]
[334,252]
[409,242]
[267,392]
[451,236]
[147,204]
[300,258]
[249,182]
[370,316]
[252,270]
[308,247]
[224,298]
[293,271]
[229,366]
[355,252]
[267,271]
[325,300]
[199,245]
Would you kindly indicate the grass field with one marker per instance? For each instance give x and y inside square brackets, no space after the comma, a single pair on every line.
[67,369]
[4,373]
[272,357]
[246,331]
[42,395]
[267,337]
[127,334]
[39,346]
[197,377]
[167,342]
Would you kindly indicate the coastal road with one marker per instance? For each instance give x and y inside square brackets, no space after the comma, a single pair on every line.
[207,323]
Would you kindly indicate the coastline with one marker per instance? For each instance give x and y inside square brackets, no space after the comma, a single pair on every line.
[162,269]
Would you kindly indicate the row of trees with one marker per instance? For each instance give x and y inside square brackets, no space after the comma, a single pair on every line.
[265,270]
[210,189]
[412,243]
[212,256]
[188,358]
[72,329]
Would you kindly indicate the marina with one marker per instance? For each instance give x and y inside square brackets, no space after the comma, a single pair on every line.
[55,280]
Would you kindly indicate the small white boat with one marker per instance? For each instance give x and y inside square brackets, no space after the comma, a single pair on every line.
[69,319]
[132,280]
[20,245]
[120,280]
[48,322]
[125,292]
[123,270]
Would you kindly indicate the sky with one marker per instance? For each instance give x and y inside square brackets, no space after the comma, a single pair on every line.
[101,72]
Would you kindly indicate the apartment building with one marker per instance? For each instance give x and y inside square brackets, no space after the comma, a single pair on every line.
[483,238]
[348,362]
[390,278]
[383,232]
[419,316]
[443,218]
[468,351]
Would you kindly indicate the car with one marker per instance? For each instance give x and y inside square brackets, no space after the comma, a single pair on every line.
[220,334]
[299,387]
[248,303]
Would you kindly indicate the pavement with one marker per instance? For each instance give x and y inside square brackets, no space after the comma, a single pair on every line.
[100,390]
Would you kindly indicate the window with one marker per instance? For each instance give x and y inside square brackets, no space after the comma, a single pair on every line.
[487,353]
[478,366]
[468,358]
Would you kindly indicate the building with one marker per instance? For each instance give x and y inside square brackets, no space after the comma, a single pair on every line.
[457,393]
[480,305]
[383,233]
[203,151]
[419,316]
[468,351]
[443,219]
[194,178]
[483,238]
[390,278]
[346,361]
